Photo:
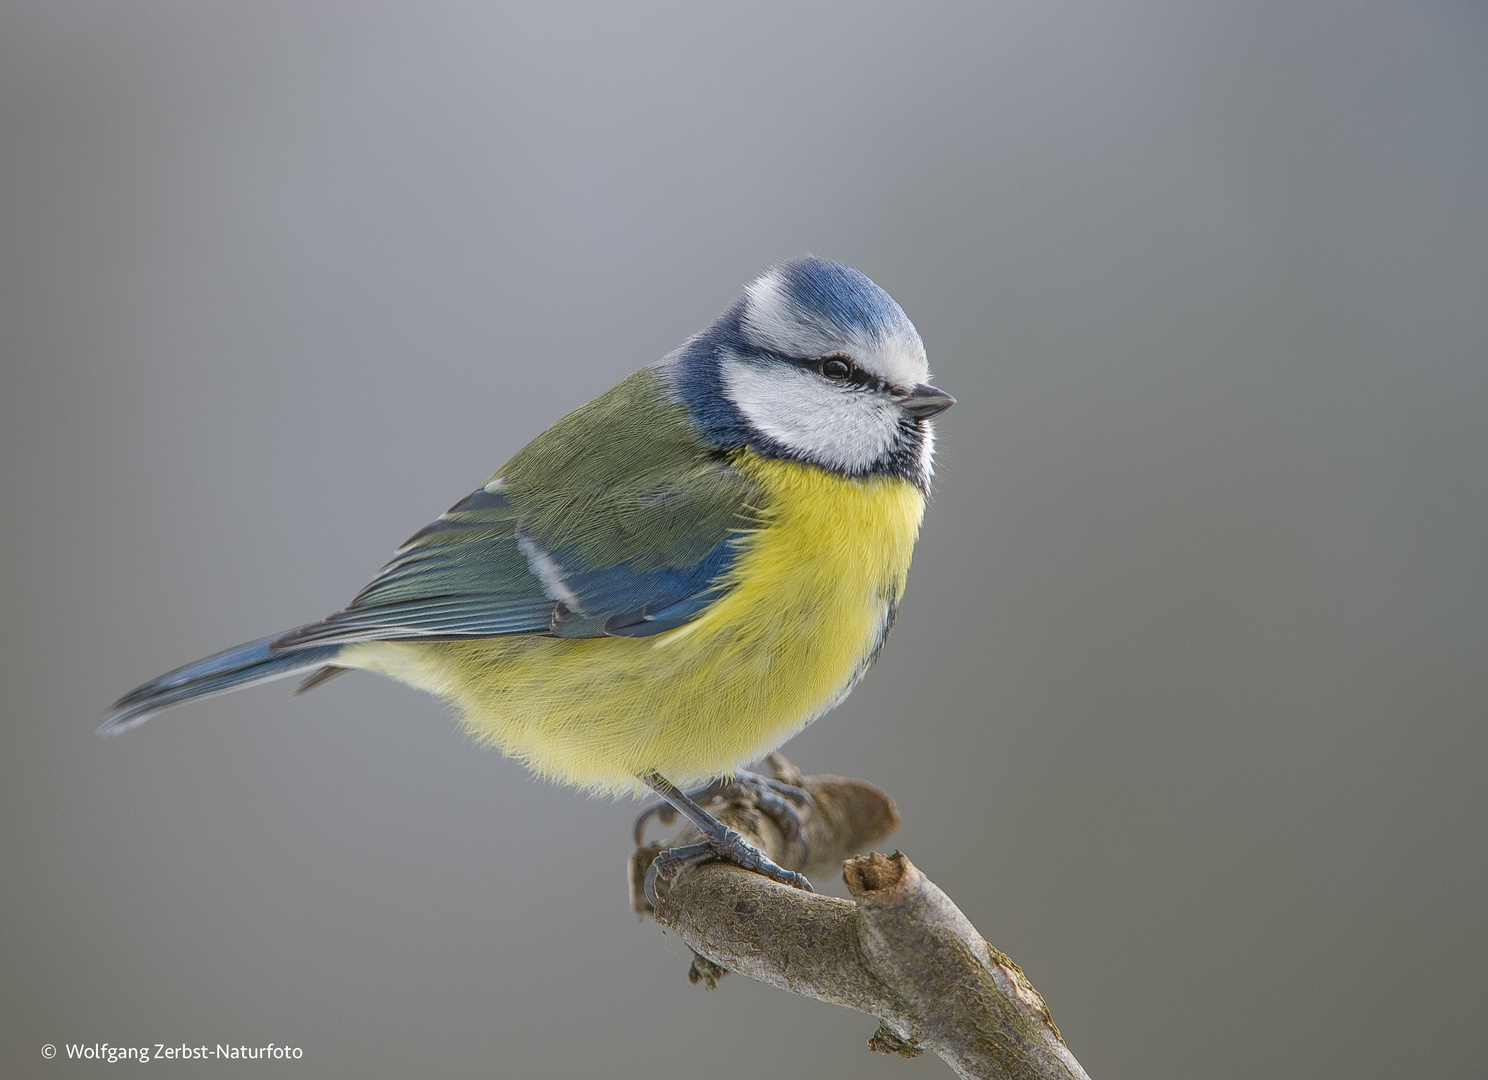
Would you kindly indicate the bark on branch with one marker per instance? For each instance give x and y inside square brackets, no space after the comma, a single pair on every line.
[899,950]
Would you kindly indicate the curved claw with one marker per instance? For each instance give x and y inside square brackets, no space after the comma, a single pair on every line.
[672,862]
[731,848]
[664,813]
[779,801]
[735,849]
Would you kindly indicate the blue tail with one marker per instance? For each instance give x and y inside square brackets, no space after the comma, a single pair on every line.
[254,662]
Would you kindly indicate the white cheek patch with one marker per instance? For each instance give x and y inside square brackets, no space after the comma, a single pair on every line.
[838,427]
[927,454]
[776,323]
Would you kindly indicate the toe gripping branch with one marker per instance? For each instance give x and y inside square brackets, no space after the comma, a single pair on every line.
[779,797]
[779,826]
[781,803]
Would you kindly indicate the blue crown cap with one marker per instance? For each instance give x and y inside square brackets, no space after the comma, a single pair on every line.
[840,295]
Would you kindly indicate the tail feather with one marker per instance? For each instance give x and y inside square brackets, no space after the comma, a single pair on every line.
[255,662]
[325,674]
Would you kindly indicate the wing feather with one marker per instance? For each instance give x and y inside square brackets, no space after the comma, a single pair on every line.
[616,520]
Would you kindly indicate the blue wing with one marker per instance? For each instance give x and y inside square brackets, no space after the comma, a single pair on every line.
[475,573]
[627,602]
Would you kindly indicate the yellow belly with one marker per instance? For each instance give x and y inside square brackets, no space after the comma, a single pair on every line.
[812,589]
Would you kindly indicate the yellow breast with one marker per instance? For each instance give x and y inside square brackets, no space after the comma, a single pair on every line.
[811,594]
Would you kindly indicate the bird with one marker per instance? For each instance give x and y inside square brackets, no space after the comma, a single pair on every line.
[673,579]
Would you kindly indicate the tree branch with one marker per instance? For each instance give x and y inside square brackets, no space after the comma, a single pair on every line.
[899,950]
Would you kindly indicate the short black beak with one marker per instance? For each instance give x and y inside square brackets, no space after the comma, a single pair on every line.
[926,400]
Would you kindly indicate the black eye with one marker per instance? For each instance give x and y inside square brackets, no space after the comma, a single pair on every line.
[837,367]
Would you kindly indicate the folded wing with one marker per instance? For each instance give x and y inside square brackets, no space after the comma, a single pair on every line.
[615,521]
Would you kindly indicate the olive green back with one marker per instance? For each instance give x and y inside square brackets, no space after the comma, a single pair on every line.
[624,479]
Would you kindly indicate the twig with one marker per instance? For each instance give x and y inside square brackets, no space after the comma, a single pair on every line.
[900,950]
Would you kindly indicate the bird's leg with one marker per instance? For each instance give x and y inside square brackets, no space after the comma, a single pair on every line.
[719,842]
[776,797]
[665,814]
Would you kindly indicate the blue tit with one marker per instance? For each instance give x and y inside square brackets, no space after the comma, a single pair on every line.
[671,580]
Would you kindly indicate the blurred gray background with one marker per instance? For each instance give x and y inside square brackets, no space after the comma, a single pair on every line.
[1186,704]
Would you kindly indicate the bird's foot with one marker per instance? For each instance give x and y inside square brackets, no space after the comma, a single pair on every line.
[718,840]
[784,803]
[729,847]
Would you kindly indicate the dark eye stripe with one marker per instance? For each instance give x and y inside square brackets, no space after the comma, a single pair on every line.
[840,368]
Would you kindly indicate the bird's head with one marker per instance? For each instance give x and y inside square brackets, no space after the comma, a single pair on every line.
[814,363]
